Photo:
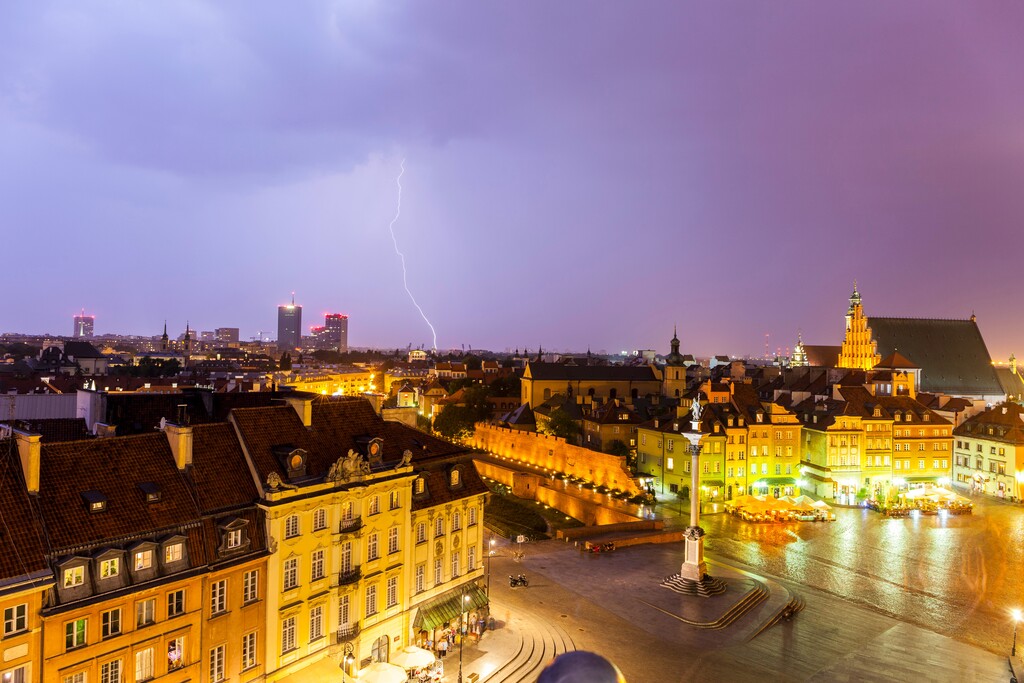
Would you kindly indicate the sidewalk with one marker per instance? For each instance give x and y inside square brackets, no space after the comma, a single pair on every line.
[482,658]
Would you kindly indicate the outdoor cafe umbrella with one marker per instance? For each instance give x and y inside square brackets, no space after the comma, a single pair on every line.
[382,672]
[412,657]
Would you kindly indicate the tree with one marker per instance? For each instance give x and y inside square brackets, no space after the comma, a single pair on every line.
[561,424]
[454,422]
[286,361]
[617,447]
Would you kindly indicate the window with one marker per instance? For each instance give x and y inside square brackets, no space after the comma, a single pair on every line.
[472,516]
[471,559]
[74,576]
[456,521]
[110,623]
[319,519]
[346,512]
[175,603]
[670,463]
[420,486]
[251,586]
[110,568]
[778,469]
[393,540]
[439,526]
[145,612]
[920,464]
[438,578]
[218,596]
[343,611]
[175,653]
[394,500]
[15,619]
[371,600]
[235,538]
[291,573]
[75,678]
[421,532]
[374,507]
[74,632]
[670,445]
[248,650]
[288,635]
[317,565]
[291,526]
[454,479]
[316,623]
[455,564]
[144,664]
[172,553]
[371,547]
[392,592]
[110,672]
[143,559]
[420,571]
[15,675]
[346,558]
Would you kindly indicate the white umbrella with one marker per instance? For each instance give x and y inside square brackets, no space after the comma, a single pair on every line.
[382,672]
[412,657]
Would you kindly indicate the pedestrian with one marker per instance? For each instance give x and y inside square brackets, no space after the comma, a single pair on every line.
[443,647]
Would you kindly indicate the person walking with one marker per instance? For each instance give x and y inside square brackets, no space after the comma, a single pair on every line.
[443,647]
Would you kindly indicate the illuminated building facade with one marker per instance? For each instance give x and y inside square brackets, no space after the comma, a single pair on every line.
[859,348]
[336,332]
[988,455]
[83,326]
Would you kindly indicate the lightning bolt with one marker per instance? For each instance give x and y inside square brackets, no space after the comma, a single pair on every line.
[405,280]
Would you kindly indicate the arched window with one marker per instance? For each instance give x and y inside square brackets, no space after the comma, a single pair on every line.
[454,478]
[456,521]
[380,651]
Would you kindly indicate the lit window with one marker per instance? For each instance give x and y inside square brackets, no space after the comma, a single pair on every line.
[110,568]
[454,478]
[144,664]
[175,653]
[393,540]
[291,573]
[173,553]
[472,516]
[394,500]
[288,635]
[317,565]
[439,526]
[143,559]
[235,537]
[74,633]
[248,650]
[374,506]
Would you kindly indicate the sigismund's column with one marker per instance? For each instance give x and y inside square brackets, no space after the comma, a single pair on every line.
[693,578]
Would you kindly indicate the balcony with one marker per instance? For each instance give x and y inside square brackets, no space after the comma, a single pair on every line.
[350,526]
[346,633]
[350,577]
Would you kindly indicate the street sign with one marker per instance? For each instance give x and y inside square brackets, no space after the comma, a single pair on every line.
[520,539]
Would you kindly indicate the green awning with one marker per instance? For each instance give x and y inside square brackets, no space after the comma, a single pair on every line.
[776,481]
[446,607]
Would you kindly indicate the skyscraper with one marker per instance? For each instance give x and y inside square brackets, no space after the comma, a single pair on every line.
[289,325]
[226,334]
[83,325]
[336,331]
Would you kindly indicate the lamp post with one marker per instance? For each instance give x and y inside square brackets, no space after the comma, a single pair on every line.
[1016,619]
[346,661]
[462,632]
[490,551]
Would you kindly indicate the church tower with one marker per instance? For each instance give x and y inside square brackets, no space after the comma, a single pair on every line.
[858,350]
[673,381]
[799,359]
[164,339]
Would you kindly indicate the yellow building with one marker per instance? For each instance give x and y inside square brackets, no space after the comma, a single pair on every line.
[340,488]
[859,348]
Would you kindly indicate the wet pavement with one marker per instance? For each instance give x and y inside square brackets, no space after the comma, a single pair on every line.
[957,575]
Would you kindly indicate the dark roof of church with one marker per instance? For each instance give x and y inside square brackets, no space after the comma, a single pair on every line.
[822,355]
[896,361]
[951,353]
[596,373]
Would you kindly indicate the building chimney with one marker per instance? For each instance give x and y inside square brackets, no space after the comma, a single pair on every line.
[30,453]
[304,407]
[180,439]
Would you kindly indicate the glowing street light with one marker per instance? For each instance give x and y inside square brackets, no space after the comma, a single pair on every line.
[462,629]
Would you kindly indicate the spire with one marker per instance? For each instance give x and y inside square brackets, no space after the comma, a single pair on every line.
[293,298]
[855,297]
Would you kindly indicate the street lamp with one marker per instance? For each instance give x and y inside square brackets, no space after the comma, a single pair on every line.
[1016,619]
[462,631]
[490,551]
[346,661]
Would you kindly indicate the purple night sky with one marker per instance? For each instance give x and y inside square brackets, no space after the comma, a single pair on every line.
[577,173]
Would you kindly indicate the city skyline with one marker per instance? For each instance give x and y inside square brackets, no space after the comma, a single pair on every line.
[616,165]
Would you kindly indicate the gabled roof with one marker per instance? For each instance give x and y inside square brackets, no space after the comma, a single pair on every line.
[81,349]
[338,424]
[113,466]
[220,473]
[896,361]
[951,353]
[22,545]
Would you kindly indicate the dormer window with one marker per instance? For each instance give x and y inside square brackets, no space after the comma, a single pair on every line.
[95,501]
[877,412]
[74,576]
[760,417]
[235,538]
[172,552]
[151,491]
[143,559]
[110,568]
[926,417]
[454,479]
[908,417]
[420,486]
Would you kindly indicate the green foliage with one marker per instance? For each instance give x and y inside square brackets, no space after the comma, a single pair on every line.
[454,422]
[561,424]
[151,367]
[423,423]
[505,386]
[617,447]
[286,361]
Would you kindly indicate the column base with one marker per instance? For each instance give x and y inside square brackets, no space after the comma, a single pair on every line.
[704,587]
